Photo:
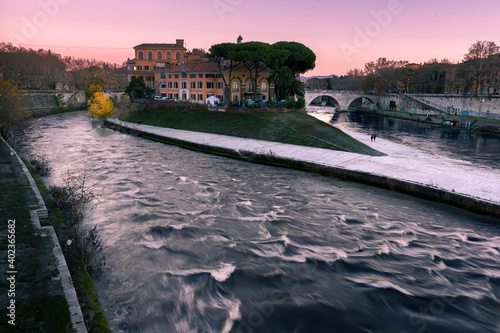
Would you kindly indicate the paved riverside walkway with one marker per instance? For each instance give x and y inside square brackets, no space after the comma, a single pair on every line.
[402,163]
[42,291]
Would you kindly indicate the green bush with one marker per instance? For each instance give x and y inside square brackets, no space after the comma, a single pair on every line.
[301,103]
[60,103]
[291,103]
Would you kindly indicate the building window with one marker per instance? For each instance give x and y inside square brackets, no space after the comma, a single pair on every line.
[250,86]
[169,55]
[176,85]
[163,76]
[146,68]
[176,76]
[193,84]
[193,97]
[169,85]
[220,85]
[200,76]
[200,84]
[139,68]
[236,87]
[200,97]
[184,75]
[192,76]
[170,95]
[210,85]
[184,96]
[209,76]
[163,86]
[141,55]
[150,55]
[163,94]
[176,96]
[184,85]
[177,55]
[158,55]
[263,86]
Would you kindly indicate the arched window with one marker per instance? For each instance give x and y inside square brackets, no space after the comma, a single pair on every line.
[263,86]
[236,87]
[150,55]
[177,55]
[169,55]
[141,55]
[158,55]
[163,86]
[250,86]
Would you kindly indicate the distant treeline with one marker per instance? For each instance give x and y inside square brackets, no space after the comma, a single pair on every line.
[478,73]
[44,70]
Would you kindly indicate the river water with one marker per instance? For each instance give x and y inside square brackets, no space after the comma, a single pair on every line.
[475,147]
[201,243]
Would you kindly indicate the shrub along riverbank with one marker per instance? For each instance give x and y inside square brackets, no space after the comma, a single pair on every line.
[287,127]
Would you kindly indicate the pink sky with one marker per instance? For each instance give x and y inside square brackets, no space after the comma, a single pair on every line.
[343,34]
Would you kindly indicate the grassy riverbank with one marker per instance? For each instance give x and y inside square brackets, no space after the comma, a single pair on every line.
[287,127]
[40,305]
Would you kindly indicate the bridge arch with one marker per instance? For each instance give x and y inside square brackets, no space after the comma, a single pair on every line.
[325,100]
[363,102]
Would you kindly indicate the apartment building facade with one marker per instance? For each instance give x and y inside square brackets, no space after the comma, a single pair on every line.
[149,57]
[197,80]
[171,71]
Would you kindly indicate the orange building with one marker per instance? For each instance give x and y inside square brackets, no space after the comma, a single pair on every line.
[149,57]
[197,80]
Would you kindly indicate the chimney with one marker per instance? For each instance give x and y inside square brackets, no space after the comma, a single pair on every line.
[179,42]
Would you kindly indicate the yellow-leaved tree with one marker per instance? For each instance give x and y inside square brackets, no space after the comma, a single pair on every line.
[101,106]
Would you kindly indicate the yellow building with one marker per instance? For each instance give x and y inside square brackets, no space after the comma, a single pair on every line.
[197,80]
[149,57]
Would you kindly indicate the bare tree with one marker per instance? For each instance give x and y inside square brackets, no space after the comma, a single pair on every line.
[478,55]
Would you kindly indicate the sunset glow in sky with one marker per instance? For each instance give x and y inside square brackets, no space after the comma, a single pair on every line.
[343,34]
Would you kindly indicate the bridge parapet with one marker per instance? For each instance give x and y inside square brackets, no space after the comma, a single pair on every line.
[342,99]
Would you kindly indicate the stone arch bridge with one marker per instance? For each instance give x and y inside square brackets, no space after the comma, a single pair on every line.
[341,99]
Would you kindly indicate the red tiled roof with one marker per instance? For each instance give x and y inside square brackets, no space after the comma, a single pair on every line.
[159,46]
[195,67]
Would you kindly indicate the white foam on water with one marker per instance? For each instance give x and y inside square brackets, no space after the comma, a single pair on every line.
[223,273]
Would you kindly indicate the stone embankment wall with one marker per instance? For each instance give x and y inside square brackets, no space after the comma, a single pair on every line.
[42,100]
[401,102]
[480,106]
